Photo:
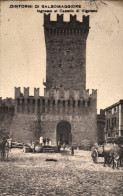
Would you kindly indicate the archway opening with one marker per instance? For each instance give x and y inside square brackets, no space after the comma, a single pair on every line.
[64,132]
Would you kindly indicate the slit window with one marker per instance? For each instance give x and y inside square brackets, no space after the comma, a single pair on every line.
[79,103]
[88,103]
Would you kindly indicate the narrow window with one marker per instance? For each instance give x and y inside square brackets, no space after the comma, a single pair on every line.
[69,103]
[109,122]
[73,104]
[108,134]
[48,105]
[115,121]
[78,103]
[53,105]
[109,111]
[112,122]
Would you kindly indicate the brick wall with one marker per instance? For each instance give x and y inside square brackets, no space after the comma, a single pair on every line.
[83,127]
[76,107]
[66,52]
[25,128]
[6,116]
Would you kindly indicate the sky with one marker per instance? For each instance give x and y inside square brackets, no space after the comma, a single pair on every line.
[23,55]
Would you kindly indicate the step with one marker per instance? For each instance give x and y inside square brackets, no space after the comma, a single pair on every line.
[17,146]
[48,149]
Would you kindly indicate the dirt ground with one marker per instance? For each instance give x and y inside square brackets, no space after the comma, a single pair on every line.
[30,174]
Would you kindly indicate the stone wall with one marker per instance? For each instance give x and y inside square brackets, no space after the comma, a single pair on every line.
[6,116]
[73,106]
[83,127]
[66,52]
[25,128]
[55,101]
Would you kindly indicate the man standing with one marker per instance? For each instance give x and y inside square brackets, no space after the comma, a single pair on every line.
[10,144]
[64,144]
[41,140]
[72,150]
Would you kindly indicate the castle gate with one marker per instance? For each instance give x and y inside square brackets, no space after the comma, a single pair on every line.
[64,132]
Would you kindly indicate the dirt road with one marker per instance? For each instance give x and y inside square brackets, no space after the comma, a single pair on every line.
[30,174]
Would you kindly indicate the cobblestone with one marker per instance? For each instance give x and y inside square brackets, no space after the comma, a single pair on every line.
[29,174]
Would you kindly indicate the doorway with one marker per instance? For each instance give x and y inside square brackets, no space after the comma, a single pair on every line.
[64,132]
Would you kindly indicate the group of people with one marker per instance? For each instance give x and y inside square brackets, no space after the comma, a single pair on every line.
[45,141]
[42,142]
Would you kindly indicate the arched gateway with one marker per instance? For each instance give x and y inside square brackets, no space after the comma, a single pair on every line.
[64,132]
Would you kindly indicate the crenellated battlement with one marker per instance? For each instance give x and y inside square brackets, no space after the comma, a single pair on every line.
[8,102]
[17,92]
[6,107]
[101,115]
[69,94]
[61,27]
[26,93]
[73,20]
[54,101]
[56,94]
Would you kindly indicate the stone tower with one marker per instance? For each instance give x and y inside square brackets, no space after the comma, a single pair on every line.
[66,52]
[67,112]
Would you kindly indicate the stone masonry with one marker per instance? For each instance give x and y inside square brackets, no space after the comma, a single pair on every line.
[6,116]
[66,52]
[67,112]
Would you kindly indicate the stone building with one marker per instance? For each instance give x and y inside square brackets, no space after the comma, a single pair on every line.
[114,120]
[101,126]
[68,111]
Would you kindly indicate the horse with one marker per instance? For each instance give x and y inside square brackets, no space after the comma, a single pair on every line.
[112,154]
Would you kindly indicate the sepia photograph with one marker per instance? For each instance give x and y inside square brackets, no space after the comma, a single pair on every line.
[61,98]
